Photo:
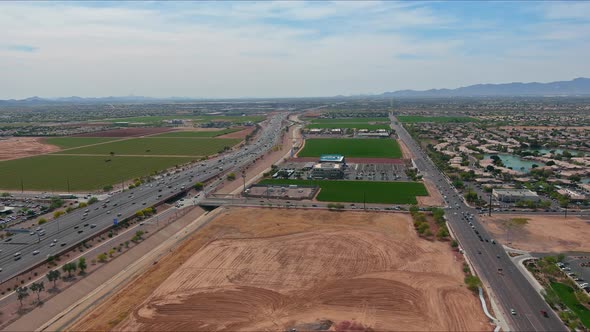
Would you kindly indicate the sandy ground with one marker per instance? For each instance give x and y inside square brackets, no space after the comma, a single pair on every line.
[267,269]
[406,153]
[434,197]
[542,233]
[20,147]
[238,134]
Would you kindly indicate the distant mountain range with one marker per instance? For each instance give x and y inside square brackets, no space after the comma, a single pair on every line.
[91,100]
[576,87]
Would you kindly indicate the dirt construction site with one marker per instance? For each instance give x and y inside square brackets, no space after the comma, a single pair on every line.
[255,269]
[541,233]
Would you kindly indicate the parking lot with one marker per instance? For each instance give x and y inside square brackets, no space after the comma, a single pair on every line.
[282,192]
[353,171]
[579,267]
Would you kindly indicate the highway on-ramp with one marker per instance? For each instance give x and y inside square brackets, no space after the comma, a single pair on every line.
[510,288]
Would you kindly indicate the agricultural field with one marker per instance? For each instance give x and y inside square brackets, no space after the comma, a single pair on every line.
[74,142]
[153,146]
[195,133]
[50,172]
[283,270]
[439,119]
[349,120]
[360,191]
[194,118]
[351,148]
[348,126]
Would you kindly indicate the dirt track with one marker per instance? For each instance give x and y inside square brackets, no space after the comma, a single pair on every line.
[266,269]
[542,233]
[20,147]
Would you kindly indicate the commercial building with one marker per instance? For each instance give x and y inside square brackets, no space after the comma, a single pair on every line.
[332,158]
[327,171]
[515,195]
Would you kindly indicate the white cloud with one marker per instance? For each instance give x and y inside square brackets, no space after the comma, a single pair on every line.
[248,49]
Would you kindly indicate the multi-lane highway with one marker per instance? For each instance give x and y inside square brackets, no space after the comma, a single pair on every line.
[509,287]
[23,250]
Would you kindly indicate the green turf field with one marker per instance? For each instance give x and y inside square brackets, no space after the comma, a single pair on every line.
[159,147]
[74,142]
[48,172]
[196,118]
[566,294]
[351,148]
[361,191]
[187,133]
[350,120]
[348,125]
[439,119]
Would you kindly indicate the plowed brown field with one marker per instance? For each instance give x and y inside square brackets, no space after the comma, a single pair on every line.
[273,270]
[20,147]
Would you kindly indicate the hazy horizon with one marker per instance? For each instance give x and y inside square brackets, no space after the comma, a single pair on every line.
[284,49]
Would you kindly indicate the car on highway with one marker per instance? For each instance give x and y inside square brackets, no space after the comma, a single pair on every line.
[35,252]
[512,312]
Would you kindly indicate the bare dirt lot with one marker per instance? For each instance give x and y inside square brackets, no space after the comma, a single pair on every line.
[127,132]
[542,233]
[267,269]
[434,197]
[20,147]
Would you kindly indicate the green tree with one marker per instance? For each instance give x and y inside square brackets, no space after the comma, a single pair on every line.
[92,200]
[82,265]
[231,176]
[199,186]
[58,214]
[82,205]
[53,276]
[472,282]
[102,257]
[42,221]
[139,214]
[38,287]
[22,293]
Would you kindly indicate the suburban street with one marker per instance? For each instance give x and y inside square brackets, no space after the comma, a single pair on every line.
[28,248]
[508,286]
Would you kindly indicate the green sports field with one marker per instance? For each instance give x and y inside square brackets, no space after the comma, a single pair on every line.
[155,146]
[438,119]
[48,172]
[350,120]
[188,133]
[349,125]
[351,148]
[74,142]
[361,191]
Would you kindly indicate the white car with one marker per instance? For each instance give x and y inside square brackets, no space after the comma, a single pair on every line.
[52,244]
[513,312]
[35,252]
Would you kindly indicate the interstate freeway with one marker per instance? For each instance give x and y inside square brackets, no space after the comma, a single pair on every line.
[23,250]
[509,287]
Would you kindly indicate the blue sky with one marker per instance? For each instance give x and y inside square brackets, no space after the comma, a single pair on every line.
[284,49]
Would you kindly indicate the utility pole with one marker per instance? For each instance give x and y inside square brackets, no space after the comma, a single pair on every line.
[22,187]
[490,205]
[244,178]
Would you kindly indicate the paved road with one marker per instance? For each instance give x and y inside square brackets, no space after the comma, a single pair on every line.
[17,254]
[511,289]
